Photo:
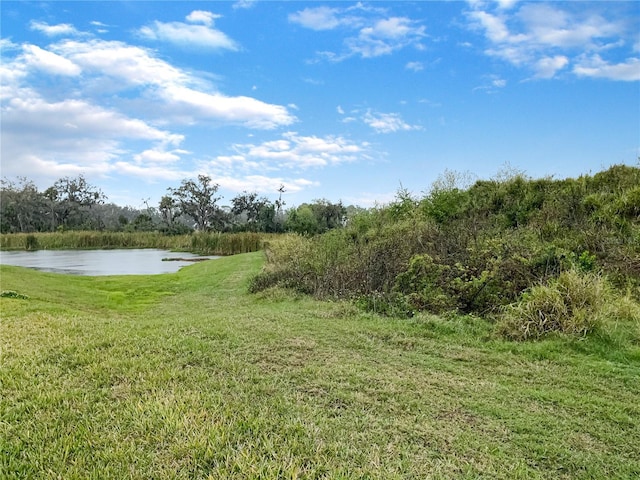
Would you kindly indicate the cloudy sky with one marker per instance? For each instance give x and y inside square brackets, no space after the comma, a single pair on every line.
[338,100]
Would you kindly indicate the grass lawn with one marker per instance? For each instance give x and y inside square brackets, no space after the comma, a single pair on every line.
[188,376]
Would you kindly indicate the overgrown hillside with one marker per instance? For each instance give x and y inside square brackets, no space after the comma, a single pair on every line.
[536,254]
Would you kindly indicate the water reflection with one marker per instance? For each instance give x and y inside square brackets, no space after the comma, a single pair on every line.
[100,262]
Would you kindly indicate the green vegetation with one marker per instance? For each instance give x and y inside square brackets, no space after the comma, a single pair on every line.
[186,375]
[74,204]
[403,366]
[206,243]
[512,249]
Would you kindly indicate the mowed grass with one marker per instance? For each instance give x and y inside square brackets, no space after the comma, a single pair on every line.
[188,376]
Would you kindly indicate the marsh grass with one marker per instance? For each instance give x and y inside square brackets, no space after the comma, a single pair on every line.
[188,376]
[202,243]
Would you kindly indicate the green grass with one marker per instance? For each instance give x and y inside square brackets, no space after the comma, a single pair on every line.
[186,375]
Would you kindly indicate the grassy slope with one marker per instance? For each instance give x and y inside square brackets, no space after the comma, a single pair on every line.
[187,376]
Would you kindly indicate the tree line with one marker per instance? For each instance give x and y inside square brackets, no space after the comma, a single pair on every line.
[194,205]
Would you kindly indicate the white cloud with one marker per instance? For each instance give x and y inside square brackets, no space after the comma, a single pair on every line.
[259,166]
[492,84]
[129,64]
[550,26]
[54,30]
[179,93]
[11,77]
[547,67]
[6,45]
[199,32]
[545,38]
[70,131]
[53,133]
[39,168]
[414,66]
[49,62]
[33,114]
[243,172]
[299,151]
[188,35]
[394,27]
[506,4]
[596,67]
[202,16]
[159,155]
[385,36]
[53,139]
[317,18]
[387,122]
[231,163]
[100,27]
[244,4]
[494,26]
[373,32]
[220,108]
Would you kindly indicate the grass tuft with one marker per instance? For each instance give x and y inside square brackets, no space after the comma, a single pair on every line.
[576,303]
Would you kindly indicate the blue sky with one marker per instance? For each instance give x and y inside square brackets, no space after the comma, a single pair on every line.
[338,100]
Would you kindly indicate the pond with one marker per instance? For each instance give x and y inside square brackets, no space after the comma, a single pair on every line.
[145,261]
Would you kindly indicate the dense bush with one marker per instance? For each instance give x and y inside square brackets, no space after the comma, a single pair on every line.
[478,249]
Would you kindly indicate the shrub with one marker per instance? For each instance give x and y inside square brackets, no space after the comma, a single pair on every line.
[423,285]
[476,250]
[586,262]
[575,303]
[31,243]
[288,265]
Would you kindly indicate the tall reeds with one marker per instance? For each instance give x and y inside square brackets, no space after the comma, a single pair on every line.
[201,243]
[227,243]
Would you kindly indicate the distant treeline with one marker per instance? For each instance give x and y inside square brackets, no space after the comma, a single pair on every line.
[74,204]
[538,254]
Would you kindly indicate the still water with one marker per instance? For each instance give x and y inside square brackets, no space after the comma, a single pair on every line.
[100,262]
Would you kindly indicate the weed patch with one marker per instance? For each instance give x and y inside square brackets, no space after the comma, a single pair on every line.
[13,294]
[576,303]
